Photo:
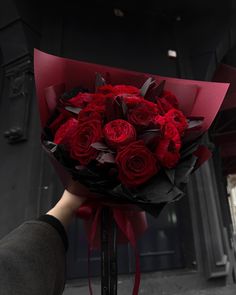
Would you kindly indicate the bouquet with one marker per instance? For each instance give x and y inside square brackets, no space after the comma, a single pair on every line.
[123,139]
[124,143]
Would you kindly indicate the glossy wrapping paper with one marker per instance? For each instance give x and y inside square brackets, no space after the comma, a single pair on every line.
[197,99]
[55,75]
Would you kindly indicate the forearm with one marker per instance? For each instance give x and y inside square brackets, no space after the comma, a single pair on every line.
[32,260]
[64,210]
[27,251]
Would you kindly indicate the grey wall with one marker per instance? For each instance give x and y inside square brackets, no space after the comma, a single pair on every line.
[139,41]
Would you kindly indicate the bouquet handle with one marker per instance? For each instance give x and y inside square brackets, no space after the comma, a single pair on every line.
[108,253]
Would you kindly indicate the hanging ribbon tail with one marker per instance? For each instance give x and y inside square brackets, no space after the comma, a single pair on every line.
[127,222]
[137,272]
[91,214]
[89,273]
[132,224]
[92,217]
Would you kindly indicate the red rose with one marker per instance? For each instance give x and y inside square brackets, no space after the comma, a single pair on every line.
[170,132]
[177,118]
[114,109]
[88,114]
[60,119]
[143,114]
[167,102]
[171,99]
[99,98]
[98,103]
[159,121]
[65,132]
[94,110]
[105,89]
[80,100]
[118,89]
[127,89]
[133,100]
[163,105]
[136,164]
[167,153]
[86,134]
[119,133]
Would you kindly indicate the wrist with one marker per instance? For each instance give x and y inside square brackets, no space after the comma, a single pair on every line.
[64,210]
[70,201]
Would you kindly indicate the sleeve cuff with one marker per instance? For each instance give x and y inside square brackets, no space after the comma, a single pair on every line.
[54,222]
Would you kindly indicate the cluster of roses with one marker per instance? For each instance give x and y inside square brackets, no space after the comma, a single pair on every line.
[117,126]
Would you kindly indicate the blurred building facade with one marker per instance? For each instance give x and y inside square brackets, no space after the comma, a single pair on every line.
[193,238]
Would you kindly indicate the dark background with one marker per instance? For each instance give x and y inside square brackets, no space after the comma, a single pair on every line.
[194,234]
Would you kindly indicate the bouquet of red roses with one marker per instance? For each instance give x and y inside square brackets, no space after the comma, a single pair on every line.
[123,137]
[122,141]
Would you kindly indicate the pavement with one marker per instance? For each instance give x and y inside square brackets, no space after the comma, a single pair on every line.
[154,284]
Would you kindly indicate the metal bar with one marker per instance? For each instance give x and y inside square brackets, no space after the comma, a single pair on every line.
[105,270]
[113,258]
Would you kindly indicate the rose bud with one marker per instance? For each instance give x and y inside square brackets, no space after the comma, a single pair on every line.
[167,101]
[177,118]
[170,132]
[167,153]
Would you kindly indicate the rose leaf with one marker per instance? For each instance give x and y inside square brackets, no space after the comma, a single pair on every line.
[146,86]
[170,174]
[100,147]
[124,108]
[150,136]
[99,81]
[51,146]
[73,110]
[156,130]
[195,124]
[105,158]
[159,89]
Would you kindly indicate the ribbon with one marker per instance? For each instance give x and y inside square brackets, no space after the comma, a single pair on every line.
[130,223]
[126,226]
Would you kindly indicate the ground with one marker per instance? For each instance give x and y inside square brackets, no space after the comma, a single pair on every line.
[154,284]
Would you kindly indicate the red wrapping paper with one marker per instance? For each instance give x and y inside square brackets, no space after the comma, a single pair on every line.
[196,98]
[54,75]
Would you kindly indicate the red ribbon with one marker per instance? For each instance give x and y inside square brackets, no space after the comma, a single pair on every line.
[126,226]
[130,223]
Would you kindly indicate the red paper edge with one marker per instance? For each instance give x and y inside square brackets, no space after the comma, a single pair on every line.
[208,100]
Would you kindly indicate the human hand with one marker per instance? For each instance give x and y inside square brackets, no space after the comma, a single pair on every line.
[65,208]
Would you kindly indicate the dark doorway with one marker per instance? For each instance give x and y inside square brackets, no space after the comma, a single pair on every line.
[1,76]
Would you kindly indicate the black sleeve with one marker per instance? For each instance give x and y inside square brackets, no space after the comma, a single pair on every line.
[54,222]
[32,259]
